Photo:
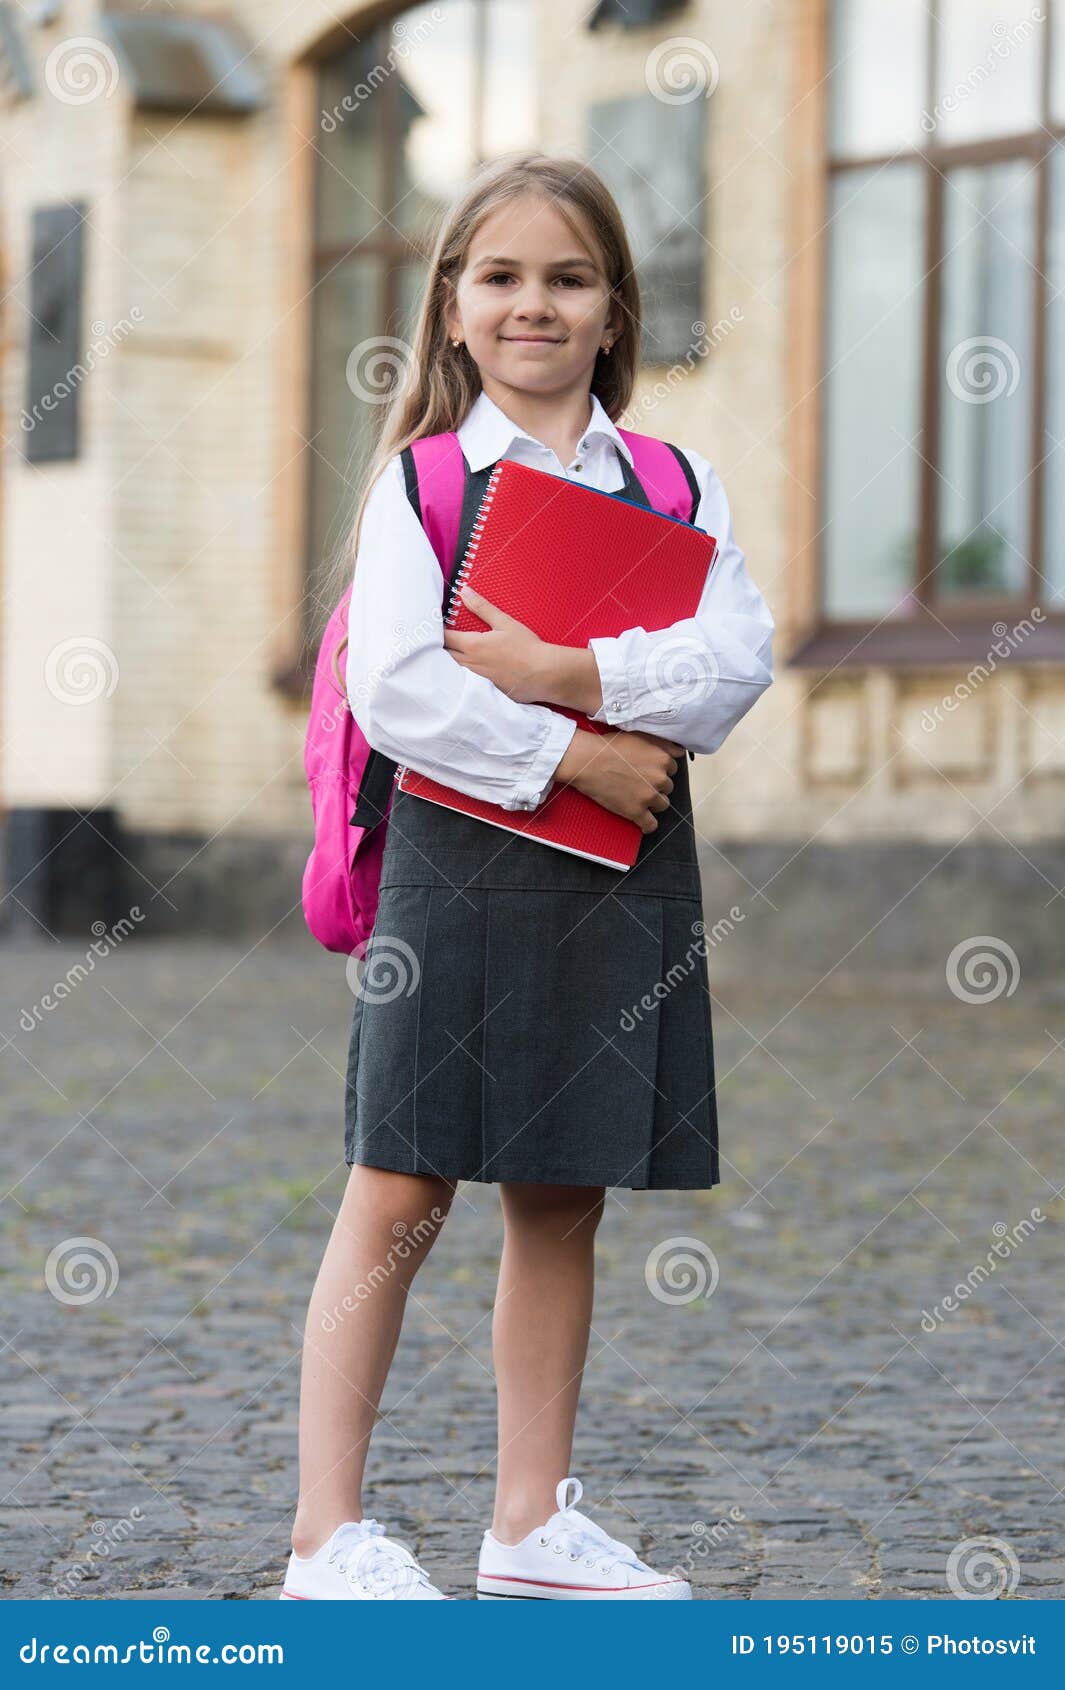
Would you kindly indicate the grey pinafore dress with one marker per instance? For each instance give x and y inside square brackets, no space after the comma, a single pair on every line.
[524,1014]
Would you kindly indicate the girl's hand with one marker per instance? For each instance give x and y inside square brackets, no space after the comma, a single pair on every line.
[509,654]
[628,772]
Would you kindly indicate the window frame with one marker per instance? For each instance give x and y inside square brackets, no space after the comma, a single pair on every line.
[956,630]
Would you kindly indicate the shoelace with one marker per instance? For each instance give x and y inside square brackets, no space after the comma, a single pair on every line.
[581,1537]
[384,1566]
[589,1546]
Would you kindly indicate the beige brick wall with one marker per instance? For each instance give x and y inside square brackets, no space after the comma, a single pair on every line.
[175,539]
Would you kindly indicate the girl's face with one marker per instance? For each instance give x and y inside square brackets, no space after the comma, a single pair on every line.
[533,304]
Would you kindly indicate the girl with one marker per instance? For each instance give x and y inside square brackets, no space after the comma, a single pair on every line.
[502,1051]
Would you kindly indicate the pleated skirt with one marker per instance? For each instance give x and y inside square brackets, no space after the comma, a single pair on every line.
[523,1014]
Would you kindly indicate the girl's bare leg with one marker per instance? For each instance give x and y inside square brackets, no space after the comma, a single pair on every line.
[382,1234]
[540,1339]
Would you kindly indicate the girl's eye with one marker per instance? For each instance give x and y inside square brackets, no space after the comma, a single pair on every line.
[505,274]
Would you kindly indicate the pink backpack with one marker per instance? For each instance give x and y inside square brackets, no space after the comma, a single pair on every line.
[351,785]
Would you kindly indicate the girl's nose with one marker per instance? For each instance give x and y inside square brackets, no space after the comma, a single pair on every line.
[533,305]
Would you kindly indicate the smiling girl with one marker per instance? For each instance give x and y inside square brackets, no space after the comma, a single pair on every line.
[505,1061]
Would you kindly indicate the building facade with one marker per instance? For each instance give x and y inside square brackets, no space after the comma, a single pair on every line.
[848,222]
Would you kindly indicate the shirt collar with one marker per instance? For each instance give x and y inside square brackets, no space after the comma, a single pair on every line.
[487,433]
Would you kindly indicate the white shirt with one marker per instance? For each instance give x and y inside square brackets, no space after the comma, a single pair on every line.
[691,682]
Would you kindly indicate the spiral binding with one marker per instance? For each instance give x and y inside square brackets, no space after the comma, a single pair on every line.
[464,567]
[471,548]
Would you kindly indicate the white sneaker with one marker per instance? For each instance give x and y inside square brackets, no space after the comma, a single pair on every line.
[571,1559]
[358,1562]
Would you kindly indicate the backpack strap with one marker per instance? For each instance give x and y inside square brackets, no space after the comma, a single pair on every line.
[666,474]
[442,493]
[435,474]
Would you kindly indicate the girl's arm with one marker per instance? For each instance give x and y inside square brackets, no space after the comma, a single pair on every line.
[413,702]
[692,681]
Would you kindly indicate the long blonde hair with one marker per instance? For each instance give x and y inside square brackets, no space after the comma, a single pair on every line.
[442,381]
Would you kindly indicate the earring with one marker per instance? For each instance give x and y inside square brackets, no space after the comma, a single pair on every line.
[456,342]
[606,348]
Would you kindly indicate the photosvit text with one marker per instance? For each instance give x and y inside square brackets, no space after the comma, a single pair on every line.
[935,1643]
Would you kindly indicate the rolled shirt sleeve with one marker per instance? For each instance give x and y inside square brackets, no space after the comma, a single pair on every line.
[694,680]
[411,699]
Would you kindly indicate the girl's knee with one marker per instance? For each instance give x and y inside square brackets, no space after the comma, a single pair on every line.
[563,1211]
[414,1206]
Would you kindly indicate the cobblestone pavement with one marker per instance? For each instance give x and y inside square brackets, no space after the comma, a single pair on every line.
[812,1428]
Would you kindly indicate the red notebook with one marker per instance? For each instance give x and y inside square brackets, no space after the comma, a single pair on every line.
[571,563]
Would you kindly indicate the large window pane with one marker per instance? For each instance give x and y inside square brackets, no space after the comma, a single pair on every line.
[437,140]
[349,168]
[1057,71]
[350,372]
[989,58]
[1054,439]
[872,392]
[512,36]
[878,59]
[410,286]
[986,368]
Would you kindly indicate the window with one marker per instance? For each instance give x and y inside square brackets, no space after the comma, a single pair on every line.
[943,492]
[404,114]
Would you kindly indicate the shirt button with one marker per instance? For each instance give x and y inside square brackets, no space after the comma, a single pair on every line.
[577,467]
